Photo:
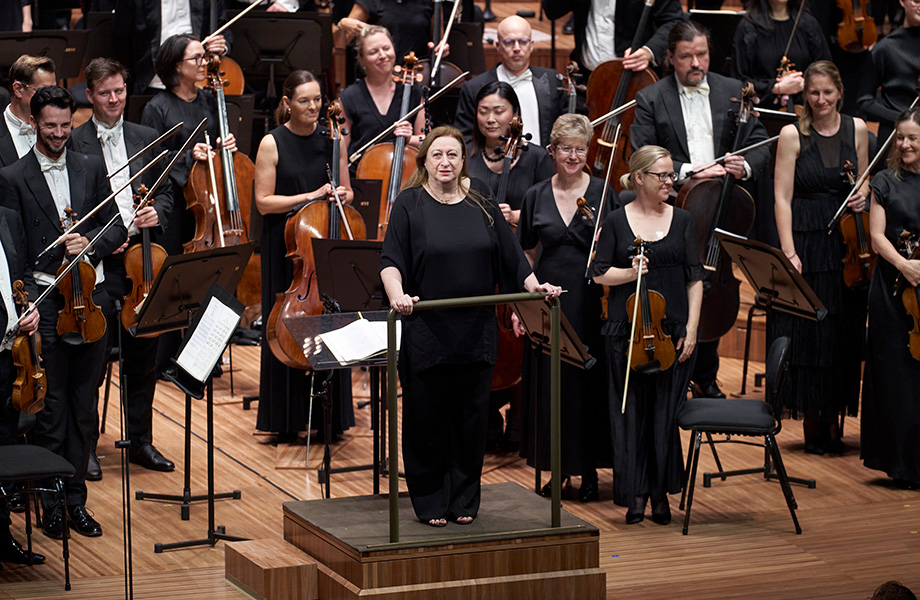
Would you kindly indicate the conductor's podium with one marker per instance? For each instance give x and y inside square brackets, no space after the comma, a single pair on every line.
[510,551]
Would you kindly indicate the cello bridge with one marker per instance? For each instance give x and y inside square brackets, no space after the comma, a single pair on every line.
[708,267]
[605,143]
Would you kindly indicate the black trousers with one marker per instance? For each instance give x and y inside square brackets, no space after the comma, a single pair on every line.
[66,424]
[445,416]
[9,423]
[707,363]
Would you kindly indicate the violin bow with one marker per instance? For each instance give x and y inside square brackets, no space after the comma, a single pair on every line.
[338,201]
[604,118]
[632,333]
[721,159]
[223,27]
[795,27]
[450,24]
[600,208]
[147,148]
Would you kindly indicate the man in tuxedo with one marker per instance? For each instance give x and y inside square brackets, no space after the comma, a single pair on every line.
[688,112]
[13,266]
[140,26]
[108,136]
[43,186]
[27,74]
[538,89]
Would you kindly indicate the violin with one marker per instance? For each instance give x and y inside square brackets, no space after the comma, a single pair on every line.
[722,205]
[143,262]
[80,321]
[651,349]
[856,31]
[30,387]
[603,96]
[859,261]
[318,219]
[910,295]
[222,212]
[392,162]
[786,66]
[570,85]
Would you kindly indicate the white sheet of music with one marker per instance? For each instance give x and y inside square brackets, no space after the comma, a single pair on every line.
[209,339]
[359,340]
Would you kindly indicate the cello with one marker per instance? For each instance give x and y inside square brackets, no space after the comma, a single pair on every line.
[859,261]
[318,219]
[603,98]
[30,387]
[143,262]
[392,162]
[723,205]
[80,321]
[222,212]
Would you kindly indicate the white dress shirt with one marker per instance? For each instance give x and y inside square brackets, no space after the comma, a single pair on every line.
[22,133]
[175,19]
[527,97]
[115,153]
[694,106]
[6,290]
[599,34]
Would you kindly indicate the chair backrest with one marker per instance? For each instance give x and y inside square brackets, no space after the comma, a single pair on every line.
[777,366]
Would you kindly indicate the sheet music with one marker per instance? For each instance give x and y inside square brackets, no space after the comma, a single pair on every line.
[209,339]
[359,340]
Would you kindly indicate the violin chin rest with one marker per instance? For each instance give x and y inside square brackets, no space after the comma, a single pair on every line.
[649,368]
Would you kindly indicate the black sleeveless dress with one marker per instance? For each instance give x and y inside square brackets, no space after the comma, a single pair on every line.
[283,398]
[366,120]
[825,356]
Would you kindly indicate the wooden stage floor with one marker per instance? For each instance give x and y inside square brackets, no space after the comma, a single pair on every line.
[858,530]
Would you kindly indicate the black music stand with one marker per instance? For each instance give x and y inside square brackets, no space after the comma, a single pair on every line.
[777,284]
[367,202]
[176,297]
[536,319]
[65,47]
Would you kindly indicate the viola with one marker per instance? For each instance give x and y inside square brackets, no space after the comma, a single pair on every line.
[143,262]
[910,295]
[80,321]
[392,162]
[786,66]
[317,219]
[232,74]
[856,31]
[722,205]
[651,349]
[604,96]
[570,85]
[29,387]
[222,212]
[859,261]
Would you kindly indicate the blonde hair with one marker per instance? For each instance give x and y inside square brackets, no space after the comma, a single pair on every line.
[569,126]
[640,160]
[894,156]
[829,70]
[365,33]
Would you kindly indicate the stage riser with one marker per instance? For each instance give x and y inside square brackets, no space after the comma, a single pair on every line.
[271,570]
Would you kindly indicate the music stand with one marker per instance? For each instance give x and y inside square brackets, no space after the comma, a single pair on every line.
[182,287]
[367,202]
[65,47]
[777,284]
[536,319]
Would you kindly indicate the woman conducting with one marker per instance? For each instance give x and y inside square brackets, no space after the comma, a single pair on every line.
[647,461]
[447,239]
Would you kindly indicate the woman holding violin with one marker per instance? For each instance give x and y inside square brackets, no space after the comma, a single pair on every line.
[496,106]
[760,46]
[290,173]
[825,356]
[891,415]
[556,228]
[373,103]
[647,461]
[447,239]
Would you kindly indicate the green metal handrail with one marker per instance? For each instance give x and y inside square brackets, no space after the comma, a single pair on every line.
[554,387]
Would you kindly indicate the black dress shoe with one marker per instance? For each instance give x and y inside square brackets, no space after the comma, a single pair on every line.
[82,522]
[661,511]
[569,27]
[53,523]
[93,470]
[14,500]
[547,490]
[709,390]
[634,517]
[150,458]
[12,552]
[588,491]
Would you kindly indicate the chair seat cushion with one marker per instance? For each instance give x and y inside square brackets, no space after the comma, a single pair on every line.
[24,461]
[717,414]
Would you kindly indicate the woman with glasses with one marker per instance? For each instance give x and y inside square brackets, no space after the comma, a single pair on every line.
[496,106]
[556,230]
[291,172]
[647,460]
[825,356]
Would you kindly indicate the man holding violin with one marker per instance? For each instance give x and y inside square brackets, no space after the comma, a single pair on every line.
[108,136]
[43,186]
[688,113]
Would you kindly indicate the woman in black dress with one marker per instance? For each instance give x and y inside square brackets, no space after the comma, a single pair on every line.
[409,22]
[647,459]
[373,103]
[825,357]
[760,42]
[556,236]
[447,239]
[891,413]
[291,172]
[496,105]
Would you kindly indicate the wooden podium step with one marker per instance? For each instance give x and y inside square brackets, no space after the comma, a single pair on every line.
[271,570]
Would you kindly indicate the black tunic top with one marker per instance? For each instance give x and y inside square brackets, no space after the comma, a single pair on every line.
[757,53]
[448,251]
[891,413]
[890,85]
[408,21]
[533,166]
[366,120]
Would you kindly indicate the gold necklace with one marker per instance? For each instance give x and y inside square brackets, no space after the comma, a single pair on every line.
[441,200]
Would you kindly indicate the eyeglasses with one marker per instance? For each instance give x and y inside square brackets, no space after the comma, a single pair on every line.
[28,87]
[510,42]
[662,177]
[197,59]
[567,150]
